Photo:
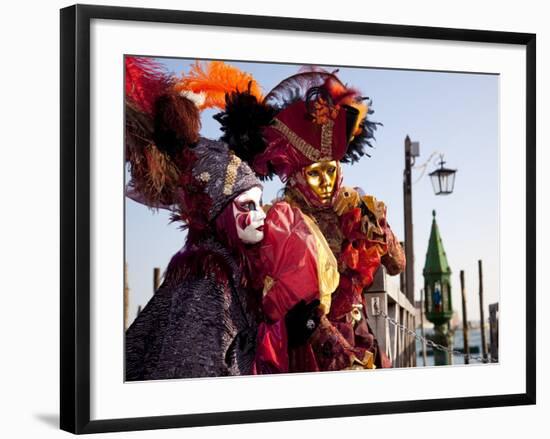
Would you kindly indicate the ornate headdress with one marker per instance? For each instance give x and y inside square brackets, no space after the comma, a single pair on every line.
[171,166]
[308,117]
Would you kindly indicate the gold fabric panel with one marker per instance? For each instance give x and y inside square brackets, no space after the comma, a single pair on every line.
[327,267]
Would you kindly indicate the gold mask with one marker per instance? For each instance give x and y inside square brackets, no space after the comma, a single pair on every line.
[321,178]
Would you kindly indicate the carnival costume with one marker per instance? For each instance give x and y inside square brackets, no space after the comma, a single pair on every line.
[323,241]
[201,321]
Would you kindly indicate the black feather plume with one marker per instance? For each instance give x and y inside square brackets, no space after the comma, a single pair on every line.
[356,148]
[242,123]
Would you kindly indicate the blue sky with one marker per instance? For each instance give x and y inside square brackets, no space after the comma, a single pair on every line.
[451,113]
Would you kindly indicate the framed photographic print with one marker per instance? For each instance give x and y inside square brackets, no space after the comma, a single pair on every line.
[275,218]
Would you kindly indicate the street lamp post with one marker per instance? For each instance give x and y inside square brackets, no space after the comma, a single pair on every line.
[443,184]
[412,151]
[443,180]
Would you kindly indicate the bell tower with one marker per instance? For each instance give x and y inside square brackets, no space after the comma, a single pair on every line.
[437,288]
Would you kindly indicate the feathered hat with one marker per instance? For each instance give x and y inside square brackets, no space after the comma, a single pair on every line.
[308,117]
[171,166]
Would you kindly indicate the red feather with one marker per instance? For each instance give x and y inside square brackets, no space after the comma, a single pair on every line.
[146,80]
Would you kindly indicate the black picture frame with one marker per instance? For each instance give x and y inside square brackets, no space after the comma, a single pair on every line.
[75,217]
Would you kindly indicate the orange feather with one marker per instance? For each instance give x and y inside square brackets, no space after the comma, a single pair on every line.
[215,79]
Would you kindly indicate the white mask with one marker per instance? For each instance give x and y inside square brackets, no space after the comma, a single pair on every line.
[249,216]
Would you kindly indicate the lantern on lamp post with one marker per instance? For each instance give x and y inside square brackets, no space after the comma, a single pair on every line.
[443,179]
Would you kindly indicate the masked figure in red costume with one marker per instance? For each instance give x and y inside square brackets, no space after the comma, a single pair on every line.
[323,241]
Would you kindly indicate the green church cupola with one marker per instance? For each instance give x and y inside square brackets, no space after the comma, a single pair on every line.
[437,280]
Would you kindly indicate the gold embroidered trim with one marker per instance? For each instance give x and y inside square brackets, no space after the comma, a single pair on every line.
[296,141]
[231,174]
[326,140]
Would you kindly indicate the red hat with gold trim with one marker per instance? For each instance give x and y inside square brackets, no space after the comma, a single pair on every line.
[308,117]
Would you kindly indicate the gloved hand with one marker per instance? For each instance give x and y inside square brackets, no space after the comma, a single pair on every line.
[301,321]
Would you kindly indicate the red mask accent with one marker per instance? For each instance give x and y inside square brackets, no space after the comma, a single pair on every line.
[243,220]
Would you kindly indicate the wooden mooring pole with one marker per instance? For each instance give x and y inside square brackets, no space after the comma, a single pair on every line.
[424,357]
[482,314]
[464,320]
[493,333]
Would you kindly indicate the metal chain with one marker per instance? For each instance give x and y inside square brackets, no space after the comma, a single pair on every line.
[431,343]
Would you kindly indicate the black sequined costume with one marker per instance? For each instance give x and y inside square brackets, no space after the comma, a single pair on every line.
[195,328]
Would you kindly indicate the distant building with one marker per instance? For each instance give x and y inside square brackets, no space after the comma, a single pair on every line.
[456,321]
